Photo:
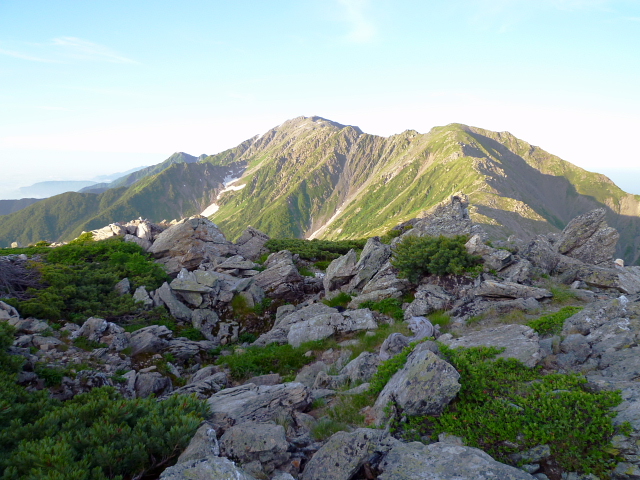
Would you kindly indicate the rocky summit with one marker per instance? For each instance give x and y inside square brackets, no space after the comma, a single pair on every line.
[522,365]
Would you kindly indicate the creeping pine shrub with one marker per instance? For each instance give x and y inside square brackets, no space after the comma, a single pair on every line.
[81,276]
[94,436]
[416,257]
[552,323]
[504,406]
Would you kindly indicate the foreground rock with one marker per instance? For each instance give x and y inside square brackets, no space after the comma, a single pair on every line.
[424,386]
[208,468]
[444,461]
[589,239]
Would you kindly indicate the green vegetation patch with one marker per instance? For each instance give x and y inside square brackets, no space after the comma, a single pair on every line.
[416,257]
[389,306]
[504,407]
[340,300]
[94,436]
[315,250]
[552,323]
[80,279]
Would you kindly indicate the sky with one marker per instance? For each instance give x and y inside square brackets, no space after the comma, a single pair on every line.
[96,87]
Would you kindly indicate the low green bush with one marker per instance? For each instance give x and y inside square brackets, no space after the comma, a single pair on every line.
[552,323]
[389,306]
[340,300]
[504,407]
[416,257]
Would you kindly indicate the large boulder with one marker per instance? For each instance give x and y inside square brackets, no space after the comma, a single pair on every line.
[339,272]
[189,243]
[281,278]
[444,461]
[541,254]
[424,386]
[323,326]
[207,468]
[589,239]
[343,455]
[178,309]
[251,403]
[150,339]
[287,316]
[519,341]
[251,243]
[262,442]
[374,255]
[428,299]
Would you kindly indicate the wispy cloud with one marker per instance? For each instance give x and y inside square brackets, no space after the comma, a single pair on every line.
[66,49]
[84,50]
[25,56]
[361,28]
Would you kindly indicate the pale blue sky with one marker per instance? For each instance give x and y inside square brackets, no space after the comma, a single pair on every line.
[96,87]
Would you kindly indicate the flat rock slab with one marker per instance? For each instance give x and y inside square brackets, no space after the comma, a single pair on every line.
[251,403]
[208,468]
[520,342]
[343,455]
[444,461]
[492,289]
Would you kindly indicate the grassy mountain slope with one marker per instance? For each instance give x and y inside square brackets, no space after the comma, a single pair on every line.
[313,177]
[180,190]
[10,206]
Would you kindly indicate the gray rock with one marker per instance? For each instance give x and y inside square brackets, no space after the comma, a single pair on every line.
[205,320]
[148,383]
[343,455]
[208,468]
[492,289]
[361,368]
[589,239]
[189,243]
[249,442]
[141,295]
[7,311]
[178,309]
[542,255]
[428,299]
[123,286]
[203,444]
[339,272]
[144,244]
[374,296]
[444,461]
[308,374]
[374,255]
[251,403]
[281,279]
[393,344]
[424,386]
[251,243]
[520,342]
[323,326]
[518,272]
[27,325]
[150,339]
[237,262]
[621,279]
[448,218]
[386,279]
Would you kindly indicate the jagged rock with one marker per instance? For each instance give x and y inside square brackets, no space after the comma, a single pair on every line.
[518,272]
[251,403]
[361,368]
[448,218]
[150,339]
[323,326]
[339,272]
[283,323]
[27,325]
[99,330]
[45,343]
[492,289]
[424,386]
[184,349]
[541,254]
[237,262]
[113,230]
[175,306]
[308,374]
[123,286]
[249,442]
[375,296]
[343,455]
[144,244]
[520,342]
[385,279]
[281,279]
[189,243]
[205,320]
[444,461]
[251,243]
[141,295]
[589,239]
[621,279]
[203,444]
[207,468]
[394,344]
[492,258]
[428,299]
[7,311]
[205,387]
[374,255]
[147,383]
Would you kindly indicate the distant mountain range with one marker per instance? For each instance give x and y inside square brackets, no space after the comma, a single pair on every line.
[311,177]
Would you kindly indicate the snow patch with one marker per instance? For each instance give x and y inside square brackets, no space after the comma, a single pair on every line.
[228,187]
